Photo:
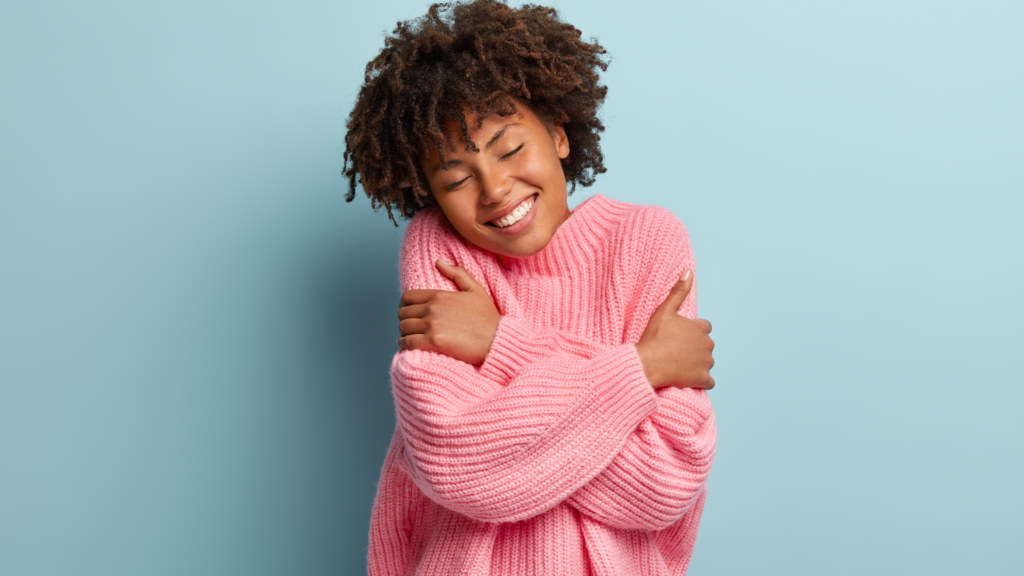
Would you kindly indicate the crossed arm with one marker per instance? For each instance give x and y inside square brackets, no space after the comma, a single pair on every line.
[550,417]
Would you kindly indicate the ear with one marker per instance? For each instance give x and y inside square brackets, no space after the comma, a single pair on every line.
[560,140]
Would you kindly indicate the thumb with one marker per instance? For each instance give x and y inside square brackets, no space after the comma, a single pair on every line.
[679,291]
[463,279]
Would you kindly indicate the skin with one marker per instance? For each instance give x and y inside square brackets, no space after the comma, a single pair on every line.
[519,158]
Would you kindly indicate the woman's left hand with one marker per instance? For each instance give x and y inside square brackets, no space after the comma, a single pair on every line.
[457,324]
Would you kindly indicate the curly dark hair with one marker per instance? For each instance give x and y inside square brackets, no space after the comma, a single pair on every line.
[484,55]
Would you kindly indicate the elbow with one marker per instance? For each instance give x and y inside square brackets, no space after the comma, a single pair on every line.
[641,504]
[678,508]
[669,510]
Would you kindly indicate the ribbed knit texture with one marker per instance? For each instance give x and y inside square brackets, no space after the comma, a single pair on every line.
[555,456]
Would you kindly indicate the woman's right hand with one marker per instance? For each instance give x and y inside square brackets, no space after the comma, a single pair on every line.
[675,350]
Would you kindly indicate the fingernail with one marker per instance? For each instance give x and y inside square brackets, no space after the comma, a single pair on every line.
[685,276]
[443,261]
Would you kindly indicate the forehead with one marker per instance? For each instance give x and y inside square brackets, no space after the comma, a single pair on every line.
[480,129]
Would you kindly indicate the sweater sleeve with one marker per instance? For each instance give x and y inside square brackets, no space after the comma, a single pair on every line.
[661,471]
[505,453]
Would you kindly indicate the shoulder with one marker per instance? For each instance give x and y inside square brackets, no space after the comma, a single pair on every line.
[632,222]
[427,228]
[651,248]
[650,220]
[427,238]
[645,234]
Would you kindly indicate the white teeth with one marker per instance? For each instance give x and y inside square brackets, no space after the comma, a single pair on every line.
[516,215]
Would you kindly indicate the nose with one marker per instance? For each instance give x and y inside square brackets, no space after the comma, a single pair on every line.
[495,185]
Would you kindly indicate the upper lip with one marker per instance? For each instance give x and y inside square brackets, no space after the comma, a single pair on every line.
[507,209]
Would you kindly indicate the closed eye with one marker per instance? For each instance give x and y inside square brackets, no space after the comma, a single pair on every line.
[455,185]
[520,147]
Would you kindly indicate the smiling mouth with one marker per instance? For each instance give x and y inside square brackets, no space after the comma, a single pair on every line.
[515,215]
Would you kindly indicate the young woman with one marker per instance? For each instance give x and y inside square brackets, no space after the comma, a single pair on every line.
[550,383]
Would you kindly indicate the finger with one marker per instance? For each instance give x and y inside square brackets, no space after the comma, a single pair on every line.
[412,311]
[679,291]
[412,326]
[417,296]
[414,342]
[459,275]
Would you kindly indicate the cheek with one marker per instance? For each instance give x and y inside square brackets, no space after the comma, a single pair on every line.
[460,209]
[538,169]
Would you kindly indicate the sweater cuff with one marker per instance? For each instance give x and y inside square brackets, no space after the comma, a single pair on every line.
[514,346]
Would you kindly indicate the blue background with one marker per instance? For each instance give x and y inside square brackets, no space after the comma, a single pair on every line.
[195,329]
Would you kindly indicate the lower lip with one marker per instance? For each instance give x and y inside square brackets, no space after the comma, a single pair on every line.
[522,223]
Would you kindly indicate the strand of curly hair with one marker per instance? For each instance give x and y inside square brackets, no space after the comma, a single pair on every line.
[483,54]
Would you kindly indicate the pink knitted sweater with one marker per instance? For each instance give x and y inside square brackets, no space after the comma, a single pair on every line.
[555,456]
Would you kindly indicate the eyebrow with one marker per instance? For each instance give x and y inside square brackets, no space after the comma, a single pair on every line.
[497,136]
[446,166]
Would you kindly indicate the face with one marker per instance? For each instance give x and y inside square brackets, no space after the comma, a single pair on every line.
[510,197]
